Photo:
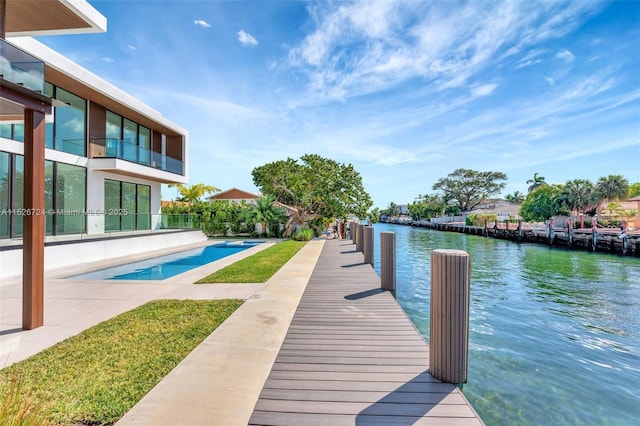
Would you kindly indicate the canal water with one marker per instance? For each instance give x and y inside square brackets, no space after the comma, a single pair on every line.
[554,334]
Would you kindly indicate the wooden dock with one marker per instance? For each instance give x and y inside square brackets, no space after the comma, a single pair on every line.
[604,240]
[352,357]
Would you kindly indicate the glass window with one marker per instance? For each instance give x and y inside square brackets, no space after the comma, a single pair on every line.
[130,136]
[18,132]
[70,190]
[130,132]
[128,209]
[48,195]
[111,205]
[18,195]
[48,89]
[48,135]
[113,133]
[6,130]
[114,126]
[143,207]
[4,194]
[70,123]
[144,142]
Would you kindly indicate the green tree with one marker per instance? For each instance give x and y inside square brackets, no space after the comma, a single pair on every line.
[314,189]
[580,196]
[542,203]
[392,209]
[427,206]
[374,215]
[634,190]
[613,187]
[536,182]
[193,193]
[516,198]
[267,214]
[468,188]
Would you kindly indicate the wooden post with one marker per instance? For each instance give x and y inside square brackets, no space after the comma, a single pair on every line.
[449,331]
[3,19]
[360,238]
[368,245]
[33,237]
[520,229]
[623,235]
[570,232]
[388,261]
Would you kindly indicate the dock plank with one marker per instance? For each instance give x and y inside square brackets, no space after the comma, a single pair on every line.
[352,356]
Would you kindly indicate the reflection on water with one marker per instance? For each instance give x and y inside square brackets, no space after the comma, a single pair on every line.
[555,334]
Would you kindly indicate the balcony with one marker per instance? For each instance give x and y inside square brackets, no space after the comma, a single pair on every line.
[20,68]
[125,150]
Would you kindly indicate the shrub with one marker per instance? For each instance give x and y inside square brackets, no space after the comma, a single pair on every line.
[478,219]
[304,234]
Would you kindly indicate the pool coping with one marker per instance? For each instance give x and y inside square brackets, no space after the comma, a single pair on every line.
[189,276]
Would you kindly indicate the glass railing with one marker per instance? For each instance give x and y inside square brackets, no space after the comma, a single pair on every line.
[18,67]
[126,150]
[75,225]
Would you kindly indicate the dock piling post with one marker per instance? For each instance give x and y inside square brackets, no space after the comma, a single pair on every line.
[368,245]
[360,238]
[449,331]
[388,261]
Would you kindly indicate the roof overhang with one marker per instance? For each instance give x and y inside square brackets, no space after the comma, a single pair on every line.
[51,17]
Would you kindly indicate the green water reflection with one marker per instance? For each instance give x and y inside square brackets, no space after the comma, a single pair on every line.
[555,334]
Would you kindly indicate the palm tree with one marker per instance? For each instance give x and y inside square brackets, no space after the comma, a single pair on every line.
[266,212]
[579,195]
[536,182]
[515,198]
[613,187]
[393,209]
[191,194]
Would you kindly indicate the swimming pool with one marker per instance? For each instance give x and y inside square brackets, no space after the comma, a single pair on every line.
[163,267]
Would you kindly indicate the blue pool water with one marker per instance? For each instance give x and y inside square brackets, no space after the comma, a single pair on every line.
[163,267]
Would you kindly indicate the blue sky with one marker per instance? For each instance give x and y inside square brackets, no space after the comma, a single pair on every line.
[406,91]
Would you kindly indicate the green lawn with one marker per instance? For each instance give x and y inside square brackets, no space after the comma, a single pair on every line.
[257,268]
[95,377]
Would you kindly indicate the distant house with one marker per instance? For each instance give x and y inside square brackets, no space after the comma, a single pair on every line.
[234,195]
[503,209]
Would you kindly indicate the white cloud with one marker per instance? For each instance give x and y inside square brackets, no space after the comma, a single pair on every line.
[246,39]
[550,80]
[366,47]
[565,55]
[202,23]
[107,59]
[131,47]
[531,58]
[484,90]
